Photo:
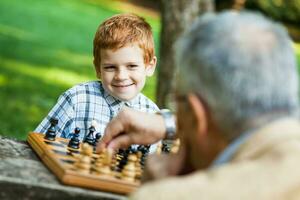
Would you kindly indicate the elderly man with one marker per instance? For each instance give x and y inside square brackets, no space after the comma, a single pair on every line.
[237,105]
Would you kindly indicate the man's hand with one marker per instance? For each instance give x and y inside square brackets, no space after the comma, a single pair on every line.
[165,165]
[132,127]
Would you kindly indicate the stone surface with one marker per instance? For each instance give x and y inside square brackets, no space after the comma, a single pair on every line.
[24,176]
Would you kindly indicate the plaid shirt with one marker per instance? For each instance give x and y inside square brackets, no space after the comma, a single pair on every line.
[81,104]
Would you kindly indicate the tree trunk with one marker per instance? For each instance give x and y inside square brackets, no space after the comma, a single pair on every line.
[177,15]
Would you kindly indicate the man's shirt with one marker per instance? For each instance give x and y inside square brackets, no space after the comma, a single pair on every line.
[83,103]
[226,155]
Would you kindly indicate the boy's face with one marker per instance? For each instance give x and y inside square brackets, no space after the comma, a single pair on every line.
[123,71]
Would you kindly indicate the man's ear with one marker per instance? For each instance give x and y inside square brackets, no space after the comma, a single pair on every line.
[199,112]
[150,68]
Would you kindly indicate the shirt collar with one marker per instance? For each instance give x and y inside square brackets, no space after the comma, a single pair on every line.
[117,104]
[230,150]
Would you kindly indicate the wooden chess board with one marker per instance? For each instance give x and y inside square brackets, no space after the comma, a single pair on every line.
[60,159]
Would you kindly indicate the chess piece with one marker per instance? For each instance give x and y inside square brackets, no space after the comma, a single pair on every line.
[158,149]
[138,166]
[98,137]
[124,155]
[74,141]
[115,162]
[51,132]
[129,171]
[165,147]
[83,163]
[175,146]
[145,151]
[90,136]
[102,164]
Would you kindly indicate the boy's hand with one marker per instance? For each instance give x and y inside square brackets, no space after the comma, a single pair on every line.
[132,127]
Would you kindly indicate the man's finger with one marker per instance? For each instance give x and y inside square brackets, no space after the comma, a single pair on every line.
[113,128]
[121,142]
[100,147]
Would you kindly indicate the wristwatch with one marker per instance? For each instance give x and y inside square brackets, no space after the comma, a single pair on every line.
[170,124]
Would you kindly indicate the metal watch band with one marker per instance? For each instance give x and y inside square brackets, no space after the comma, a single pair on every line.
[170,124]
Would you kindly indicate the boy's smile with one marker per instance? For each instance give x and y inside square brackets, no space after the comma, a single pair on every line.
[123,71]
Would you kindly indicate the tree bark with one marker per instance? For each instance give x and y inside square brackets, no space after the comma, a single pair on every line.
[177,16]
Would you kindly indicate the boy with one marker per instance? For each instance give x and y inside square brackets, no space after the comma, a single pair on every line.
[123,58]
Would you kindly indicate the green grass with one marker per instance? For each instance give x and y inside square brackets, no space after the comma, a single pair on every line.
[46,47]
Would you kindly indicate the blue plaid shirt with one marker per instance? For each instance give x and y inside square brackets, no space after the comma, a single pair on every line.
[81,104]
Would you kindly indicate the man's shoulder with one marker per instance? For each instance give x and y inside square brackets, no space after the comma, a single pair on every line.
[269,137]
[280,167]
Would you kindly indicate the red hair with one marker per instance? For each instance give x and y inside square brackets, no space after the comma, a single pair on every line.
[121,30]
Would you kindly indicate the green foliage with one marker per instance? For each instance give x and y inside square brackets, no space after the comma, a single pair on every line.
[297,51]
[283,10]
[46,47]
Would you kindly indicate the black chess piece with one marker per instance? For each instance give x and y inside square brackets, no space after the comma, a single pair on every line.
[124,153]
[90,136]
[74,141]
[165,147]
[145,151]
[98,137]
[51,132]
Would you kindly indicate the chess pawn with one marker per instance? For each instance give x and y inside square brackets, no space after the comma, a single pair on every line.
[138,166]
[102,164]
[114,162]
[158,150]
[129,171]
[98,164]
[86,150]
[175,146]
[83,163]
[74,141]
[51,132]
[145,151]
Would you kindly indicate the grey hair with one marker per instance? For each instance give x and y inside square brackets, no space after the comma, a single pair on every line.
[242,65]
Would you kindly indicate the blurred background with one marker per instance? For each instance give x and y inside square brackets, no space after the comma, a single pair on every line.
[46,47]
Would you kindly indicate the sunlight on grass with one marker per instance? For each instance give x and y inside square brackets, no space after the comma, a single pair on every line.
[3,80]
[118,6]
[297,48]
[15,32]
[74,58]
[297,51]
[45,74]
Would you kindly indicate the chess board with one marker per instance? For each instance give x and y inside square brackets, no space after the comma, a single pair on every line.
[60,159]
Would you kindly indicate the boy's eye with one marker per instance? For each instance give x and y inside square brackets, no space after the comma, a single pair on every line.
[109,68]
[132,66]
